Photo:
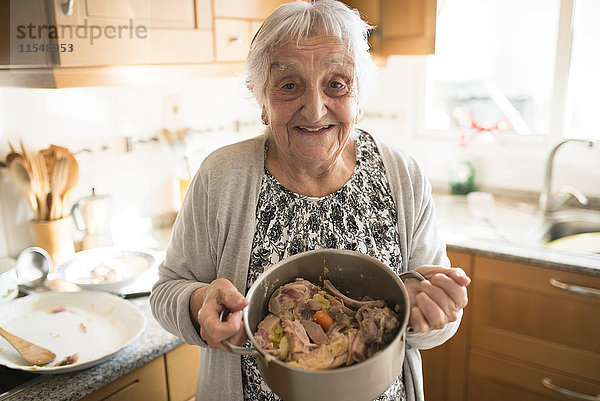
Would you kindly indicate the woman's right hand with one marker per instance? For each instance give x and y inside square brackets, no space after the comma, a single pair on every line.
[206,304]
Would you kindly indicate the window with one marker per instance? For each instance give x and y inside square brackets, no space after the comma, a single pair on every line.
[583,98]
[508,65]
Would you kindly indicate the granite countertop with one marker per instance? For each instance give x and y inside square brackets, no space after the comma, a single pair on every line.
[153,342]
[512,233]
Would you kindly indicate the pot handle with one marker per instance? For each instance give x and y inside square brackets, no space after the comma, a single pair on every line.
[405,276]
[411,274]
[235,349]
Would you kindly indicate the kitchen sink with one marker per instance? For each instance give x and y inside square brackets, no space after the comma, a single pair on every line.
[569,222]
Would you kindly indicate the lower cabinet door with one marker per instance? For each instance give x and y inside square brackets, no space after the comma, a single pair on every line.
[182,372]
[494,378]
[147,383]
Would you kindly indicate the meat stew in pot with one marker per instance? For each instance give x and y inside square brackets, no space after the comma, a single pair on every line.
[318,328]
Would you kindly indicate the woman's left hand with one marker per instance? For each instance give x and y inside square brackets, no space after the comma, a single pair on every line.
[437,300]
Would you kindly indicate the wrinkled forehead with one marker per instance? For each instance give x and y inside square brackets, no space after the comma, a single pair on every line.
[325,52]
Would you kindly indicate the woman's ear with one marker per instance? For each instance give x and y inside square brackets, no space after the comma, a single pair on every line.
[264,117]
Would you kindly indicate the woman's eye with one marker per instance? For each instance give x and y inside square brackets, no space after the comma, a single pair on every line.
[289,86]
[336,85]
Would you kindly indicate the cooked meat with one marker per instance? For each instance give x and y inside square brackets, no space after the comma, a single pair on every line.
[297,338]
[352,303]
[315,332]
[378,325]
[290,301]
[289,333]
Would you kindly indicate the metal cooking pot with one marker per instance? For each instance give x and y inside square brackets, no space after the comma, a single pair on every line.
[356,275]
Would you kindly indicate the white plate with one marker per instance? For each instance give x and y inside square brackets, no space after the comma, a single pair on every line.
[94,325]
[127,266]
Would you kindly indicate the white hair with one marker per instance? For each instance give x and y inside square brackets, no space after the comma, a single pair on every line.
[300,19]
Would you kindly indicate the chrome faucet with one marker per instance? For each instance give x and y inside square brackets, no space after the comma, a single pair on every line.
[549,202]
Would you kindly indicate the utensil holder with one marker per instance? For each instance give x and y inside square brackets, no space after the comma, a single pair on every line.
[55,236]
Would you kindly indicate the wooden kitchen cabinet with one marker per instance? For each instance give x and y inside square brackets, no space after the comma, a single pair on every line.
[493,378]
[170,377]
[445,367]
[519,331]
[147,383]
[232,39]
[124,42]
[182,372]
[246,9]
[402,26]
[521,322]
[122,32]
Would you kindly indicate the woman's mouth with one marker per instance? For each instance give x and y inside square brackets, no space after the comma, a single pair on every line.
[313,129]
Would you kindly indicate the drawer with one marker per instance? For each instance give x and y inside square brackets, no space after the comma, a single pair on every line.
[147,383]
[496,379]
[518,313]
[232,39]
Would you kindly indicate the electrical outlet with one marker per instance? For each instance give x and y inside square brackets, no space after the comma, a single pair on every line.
[172,111]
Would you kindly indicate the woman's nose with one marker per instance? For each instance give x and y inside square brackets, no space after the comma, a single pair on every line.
[314,108]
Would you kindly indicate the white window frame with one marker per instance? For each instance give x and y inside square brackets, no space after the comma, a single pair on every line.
[558,105]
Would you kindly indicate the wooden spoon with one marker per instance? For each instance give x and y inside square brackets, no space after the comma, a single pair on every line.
[20,175]
[41,184]
[58,183]
[72,176]
[34,354]
[13,154]
[26,157]
[72,179]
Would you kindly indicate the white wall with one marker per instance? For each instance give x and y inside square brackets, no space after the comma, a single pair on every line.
[142,182]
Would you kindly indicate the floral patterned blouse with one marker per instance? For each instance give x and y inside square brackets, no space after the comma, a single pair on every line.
[360,216]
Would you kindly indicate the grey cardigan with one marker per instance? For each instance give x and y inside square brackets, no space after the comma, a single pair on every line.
[212,238]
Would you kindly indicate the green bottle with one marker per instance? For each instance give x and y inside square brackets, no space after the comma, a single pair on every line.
[462,173]
[462,178]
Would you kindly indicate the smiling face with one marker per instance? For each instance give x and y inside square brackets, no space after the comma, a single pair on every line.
[311,101]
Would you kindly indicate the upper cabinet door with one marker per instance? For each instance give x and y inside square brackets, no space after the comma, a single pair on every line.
[129,32]
[401,26]
[153,13]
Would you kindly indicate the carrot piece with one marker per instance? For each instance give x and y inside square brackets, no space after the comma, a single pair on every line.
[323,319]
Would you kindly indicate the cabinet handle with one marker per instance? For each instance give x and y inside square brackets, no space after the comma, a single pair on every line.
[546,382]
[592,292]
[67,7]
[234,40]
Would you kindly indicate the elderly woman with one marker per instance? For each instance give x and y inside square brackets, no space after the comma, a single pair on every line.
[312,180]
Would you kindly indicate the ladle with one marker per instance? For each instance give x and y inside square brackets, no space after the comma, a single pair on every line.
[34,354]
[33,265]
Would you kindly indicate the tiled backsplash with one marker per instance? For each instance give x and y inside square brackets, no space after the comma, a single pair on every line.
[100,123]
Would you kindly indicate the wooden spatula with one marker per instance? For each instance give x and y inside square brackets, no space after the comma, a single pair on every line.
[34,354]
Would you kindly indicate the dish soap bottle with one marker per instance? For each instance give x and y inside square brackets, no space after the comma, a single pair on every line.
[462,173]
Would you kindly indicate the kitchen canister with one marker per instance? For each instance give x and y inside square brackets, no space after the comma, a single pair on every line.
[56,237]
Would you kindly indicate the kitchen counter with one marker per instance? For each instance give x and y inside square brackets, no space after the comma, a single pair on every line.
[512,233]
[153,342]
